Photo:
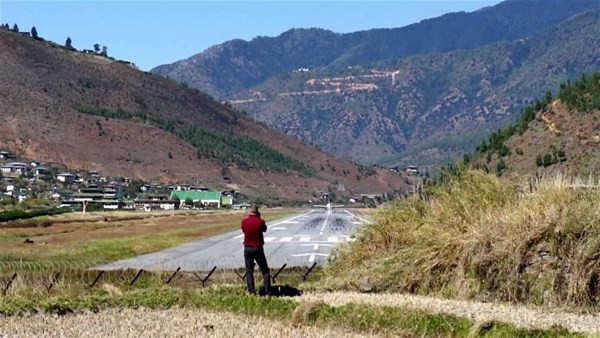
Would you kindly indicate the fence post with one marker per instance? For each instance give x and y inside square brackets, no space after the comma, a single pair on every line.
[173,275]
[308,271]
[278,272]
[136,277]
[8,284]
[54,280]
[238,274]
[203,280]
[97,279]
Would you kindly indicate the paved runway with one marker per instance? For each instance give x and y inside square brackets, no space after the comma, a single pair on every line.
[301,240]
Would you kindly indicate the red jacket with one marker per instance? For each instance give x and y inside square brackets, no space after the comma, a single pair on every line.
[253,227]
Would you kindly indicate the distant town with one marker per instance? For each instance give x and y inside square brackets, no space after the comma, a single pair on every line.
[36,185]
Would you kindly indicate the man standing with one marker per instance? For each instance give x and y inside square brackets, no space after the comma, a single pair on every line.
[253,227]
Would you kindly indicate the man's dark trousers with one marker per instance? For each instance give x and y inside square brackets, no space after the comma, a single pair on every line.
[256,253]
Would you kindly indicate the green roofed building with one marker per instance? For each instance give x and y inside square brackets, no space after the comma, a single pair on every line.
[205,198]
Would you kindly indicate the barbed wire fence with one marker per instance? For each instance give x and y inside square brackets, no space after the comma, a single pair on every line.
[49,276]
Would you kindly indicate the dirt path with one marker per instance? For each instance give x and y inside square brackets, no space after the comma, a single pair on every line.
[520,316]
[157,323]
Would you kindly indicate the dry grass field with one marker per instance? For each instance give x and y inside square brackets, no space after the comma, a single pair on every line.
[173,322]
[107,236]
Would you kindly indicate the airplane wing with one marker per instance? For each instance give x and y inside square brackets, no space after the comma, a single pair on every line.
[319,206]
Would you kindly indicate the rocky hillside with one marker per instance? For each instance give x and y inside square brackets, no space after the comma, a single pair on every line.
[86,111]
[559,132]
[234,66]
[424,109]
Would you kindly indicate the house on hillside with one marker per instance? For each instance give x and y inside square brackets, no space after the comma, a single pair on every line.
[66,178]
[205,198]
[413,170]
[42,172]
[6,155]
[17,168]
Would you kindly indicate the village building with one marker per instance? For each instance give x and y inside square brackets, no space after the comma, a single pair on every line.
[204,198]
[66,178]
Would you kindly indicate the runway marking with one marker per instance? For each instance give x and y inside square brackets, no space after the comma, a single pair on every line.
[269,239]
[286,239]
[353,215]
[304,239]
[321,244]
[239,236]
[316,247]
[290,222]
[293,218]
[324,223]
[311,254]
[332,239]
[355,222]
[311,258]
[278,228]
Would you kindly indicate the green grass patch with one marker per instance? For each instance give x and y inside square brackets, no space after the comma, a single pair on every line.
[12,215]
[372,319]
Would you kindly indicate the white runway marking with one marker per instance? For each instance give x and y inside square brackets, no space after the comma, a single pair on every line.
[320,232]
[311,254]
[316,247]
[286,239]
[355,222]
[290,222]
[353,215]
[239,236]
[269,239]
[293,218]
[332,239]
[278,228]
[311,258]
[304,239]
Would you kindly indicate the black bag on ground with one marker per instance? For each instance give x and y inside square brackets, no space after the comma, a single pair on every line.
[282,291]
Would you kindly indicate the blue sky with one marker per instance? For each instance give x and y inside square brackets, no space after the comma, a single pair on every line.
[150,33]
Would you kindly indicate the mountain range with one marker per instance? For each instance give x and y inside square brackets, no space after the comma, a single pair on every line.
[419,94]
[85,111]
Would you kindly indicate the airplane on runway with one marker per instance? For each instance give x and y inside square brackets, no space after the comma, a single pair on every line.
[328,206]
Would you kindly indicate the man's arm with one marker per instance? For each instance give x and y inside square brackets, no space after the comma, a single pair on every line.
[264,227]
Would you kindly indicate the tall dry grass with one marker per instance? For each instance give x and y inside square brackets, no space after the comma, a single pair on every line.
[481,237]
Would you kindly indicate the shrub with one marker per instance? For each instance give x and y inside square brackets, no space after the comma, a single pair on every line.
[478,237]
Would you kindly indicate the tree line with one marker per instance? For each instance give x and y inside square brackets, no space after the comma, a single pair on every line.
[100,50]
[244,152]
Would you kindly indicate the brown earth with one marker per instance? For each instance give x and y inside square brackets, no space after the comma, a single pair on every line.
[143,231]
[577,133]
[43,85]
